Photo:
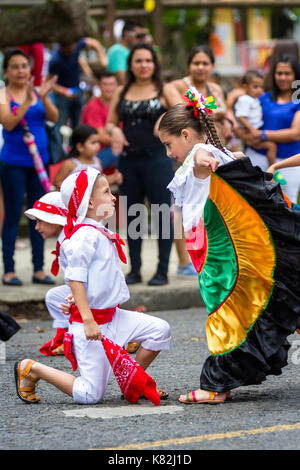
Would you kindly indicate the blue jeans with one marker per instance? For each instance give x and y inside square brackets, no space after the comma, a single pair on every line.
[69,108]
[16,181]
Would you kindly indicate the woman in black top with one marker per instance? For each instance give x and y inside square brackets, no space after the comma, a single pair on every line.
[144,164]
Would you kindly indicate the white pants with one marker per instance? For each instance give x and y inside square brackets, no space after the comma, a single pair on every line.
[152,332]
[53,299]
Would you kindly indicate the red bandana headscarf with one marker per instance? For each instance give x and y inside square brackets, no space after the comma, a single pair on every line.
[81,185]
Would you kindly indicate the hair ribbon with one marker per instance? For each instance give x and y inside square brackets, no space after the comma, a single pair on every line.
[196,100]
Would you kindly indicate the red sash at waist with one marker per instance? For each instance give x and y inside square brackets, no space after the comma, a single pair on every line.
[101,316]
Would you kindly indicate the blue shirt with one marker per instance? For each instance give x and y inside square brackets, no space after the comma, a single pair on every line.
[66,67]
[280,116]
[14,150]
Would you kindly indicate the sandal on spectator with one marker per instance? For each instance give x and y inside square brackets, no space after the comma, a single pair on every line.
[26,394]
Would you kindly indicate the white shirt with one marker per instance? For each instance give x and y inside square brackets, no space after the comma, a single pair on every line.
[83,166]
[91,258]
[250,108]
[191,193]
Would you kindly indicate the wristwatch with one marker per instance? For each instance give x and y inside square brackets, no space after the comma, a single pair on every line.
[263,136]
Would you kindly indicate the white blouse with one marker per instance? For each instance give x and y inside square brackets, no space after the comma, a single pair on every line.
[191,193]
[91,258]
[83,166]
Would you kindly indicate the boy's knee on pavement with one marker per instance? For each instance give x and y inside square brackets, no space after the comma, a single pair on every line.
[86,393]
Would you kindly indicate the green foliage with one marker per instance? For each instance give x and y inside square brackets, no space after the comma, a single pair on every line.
[194,24]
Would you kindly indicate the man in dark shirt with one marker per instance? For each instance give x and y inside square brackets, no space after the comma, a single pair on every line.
[65,65]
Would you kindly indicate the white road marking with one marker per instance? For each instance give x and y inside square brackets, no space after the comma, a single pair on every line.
[121,411]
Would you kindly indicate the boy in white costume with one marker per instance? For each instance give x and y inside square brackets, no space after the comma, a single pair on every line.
[90,254]
[51,215]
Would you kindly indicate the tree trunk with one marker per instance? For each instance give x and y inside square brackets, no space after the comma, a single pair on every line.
[63,21]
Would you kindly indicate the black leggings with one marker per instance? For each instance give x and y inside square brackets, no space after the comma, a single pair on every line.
[148,177]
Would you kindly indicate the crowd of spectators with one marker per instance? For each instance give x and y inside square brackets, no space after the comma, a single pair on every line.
[60,93]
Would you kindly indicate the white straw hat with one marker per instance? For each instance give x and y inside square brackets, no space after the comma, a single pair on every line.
[49,208]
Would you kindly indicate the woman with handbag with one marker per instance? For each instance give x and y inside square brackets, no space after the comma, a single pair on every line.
[19,176]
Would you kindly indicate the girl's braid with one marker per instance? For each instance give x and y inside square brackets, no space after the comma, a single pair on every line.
[210,130]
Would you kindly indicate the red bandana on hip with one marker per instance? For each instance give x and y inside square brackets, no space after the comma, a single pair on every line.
[77,195]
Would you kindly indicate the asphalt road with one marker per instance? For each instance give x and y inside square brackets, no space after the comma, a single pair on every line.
[259,417]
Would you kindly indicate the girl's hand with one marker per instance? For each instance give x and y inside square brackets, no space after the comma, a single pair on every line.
[118,141]
[206,160]
[271,169]
[92,330]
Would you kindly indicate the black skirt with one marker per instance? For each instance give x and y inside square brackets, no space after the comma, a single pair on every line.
[252,314]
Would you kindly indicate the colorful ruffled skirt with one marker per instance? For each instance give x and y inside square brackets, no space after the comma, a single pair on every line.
[249,277]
